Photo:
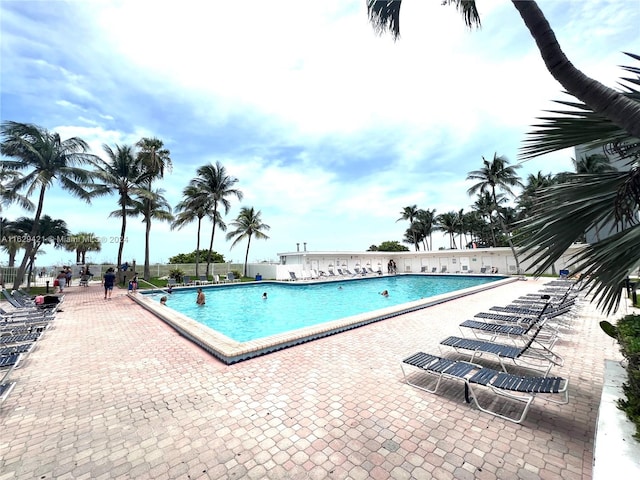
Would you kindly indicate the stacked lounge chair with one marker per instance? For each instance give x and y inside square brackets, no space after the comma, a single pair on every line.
[530,337]
[20,329]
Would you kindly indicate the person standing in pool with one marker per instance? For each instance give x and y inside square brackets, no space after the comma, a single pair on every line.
[264,296]
[200,298]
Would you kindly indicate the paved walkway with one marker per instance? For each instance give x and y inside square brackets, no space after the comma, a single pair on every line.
[112,392]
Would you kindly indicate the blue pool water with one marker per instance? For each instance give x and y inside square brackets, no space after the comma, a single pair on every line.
[240,313]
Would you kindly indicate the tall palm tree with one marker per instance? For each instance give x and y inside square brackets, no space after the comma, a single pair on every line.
[496,175]
[195,205]
[154,158]
[449,223]
[219,185]
[424,224]
[248,224]
[151,205]
[409,213]
[607,102]
[48,159]
[124,174]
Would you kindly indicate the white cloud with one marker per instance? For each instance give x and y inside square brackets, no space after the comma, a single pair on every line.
[330,129]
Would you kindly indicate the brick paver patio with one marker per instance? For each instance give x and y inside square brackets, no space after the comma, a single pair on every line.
[112,392]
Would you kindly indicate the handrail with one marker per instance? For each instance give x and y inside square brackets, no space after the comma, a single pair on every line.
[154,286]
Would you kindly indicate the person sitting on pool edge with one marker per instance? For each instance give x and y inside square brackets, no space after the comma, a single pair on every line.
[200,297]
[384,293]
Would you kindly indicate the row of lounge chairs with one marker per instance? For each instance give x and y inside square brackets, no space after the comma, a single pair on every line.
[20,329]
[338,273]
[463,269]
[521,336]
[202,280]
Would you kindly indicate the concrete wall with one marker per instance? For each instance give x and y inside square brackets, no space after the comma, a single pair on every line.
[467,260]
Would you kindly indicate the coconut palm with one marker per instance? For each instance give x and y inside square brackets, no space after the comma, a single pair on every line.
[195,205]
[219,185]
[409,213]
[151,205]
[51,231]
[449,223]
[48,159]
[496,175]
[81,243]
[424,224]
[10,239]
[9,195]
[154,159]
[606,102]
[123,174]
[247,225]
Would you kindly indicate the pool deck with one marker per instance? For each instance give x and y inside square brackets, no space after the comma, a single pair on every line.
[113,392]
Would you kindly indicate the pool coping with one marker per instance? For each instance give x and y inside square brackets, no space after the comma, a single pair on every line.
[230,351]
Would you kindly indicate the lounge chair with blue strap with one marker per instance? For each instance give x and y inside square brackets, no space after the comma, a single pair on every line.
[533,354]
[522,389]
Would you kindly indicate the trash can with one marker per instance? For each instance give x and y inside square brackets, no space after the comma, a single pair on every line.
[258,277]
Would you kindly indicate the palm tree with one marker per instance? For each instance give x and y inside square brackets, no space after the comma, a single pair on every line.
[606,102]
[151,205]
[48,158]
[214,180]
[596,163]
[494,175]
[484,207]
[194,206]
[81,243]
[51,231]
[449,223]
[10,240]
[154,158]
[424,224]
[587,199]
[7,194]
[121,173]
[410,213]
[247,224]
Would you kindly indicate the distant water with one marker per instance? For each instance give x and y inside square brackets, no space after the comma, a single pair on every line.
[239,312]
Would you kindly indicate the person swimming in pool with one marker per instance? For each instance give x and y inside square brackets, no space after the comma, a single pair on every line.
[384,293]
[264,296]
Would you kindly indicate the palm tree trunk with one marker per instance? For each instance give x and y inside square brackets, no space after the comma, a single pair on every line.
[246,257]
[213,232]
[123,229]
[147,271]
[29,246]
[198,249]
[621,110]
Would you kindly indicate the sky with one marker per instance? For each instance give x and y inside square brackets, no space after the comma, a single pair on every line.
[330,129]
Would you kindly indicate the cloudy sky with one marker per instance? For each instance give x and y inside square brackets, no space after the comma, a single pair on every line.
[330,129]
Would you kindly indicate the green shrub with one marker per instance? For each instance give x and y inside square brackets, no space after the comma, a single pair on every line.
[629,339]
[177,274]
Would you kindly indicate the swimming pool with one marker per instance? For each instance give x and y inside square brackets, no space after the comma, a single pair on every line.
[240,312]
[236,323]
